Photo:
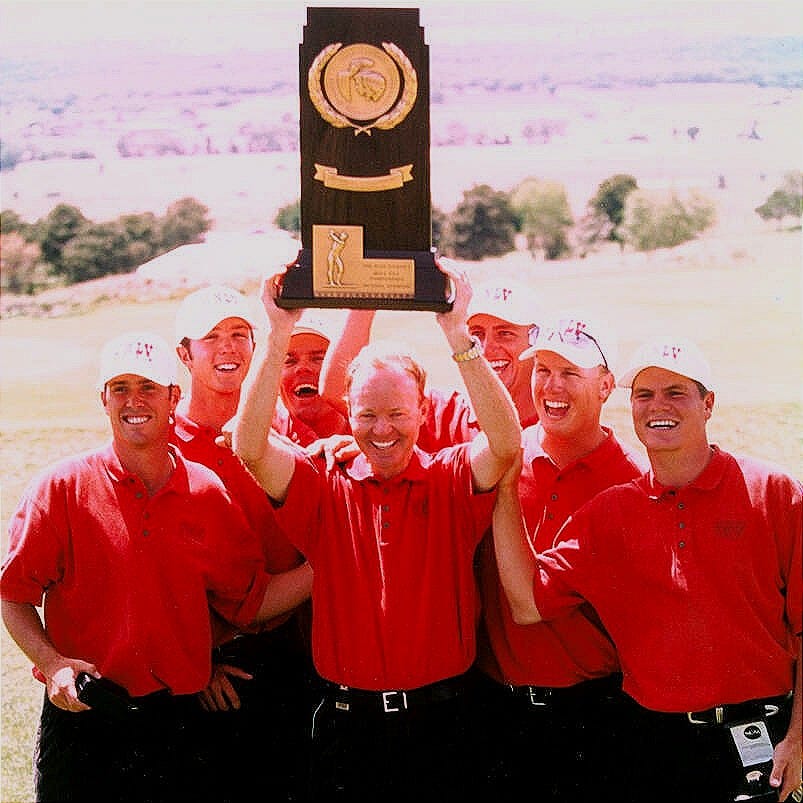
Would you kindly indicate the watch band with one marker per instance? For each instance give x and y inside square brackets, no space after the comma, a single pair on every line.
[471,353]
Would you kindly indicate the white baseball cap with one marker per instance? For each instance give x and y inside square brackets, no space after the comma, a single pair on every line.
[504,299]
[314,324]
[676,354]
[140,353]
[579,338]
[202,310]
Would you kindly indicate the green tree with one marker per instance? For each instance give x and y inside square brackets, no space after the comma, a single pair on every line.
[440,222]
[97,250]
[10,221]
[482,225]
[288,218]
[663,219]
[22,270]
[56,230]
[610,198]
[544,215]
[785,201]
[143,228]
[186,221]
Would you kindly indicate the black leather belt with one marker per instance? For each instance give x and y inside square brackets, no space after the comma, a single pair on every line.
[736,712]
[394,701]
[565,696]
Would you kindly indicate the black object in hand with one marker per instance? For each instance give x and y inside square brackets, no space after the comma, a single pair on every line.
[104,695]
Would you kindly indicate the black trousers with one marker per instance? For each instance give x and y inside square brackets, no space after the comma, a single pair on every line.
[563,747]
[150,757]
[421,753]
[265,744]
[670,759]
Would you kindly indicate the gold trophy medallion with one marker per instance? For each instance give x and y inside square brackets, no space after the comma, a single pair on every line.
[359,86]
[361,82]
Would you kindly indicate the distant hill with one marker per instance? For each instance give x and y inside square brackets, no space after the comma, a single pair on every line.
[123,70]
[143,98]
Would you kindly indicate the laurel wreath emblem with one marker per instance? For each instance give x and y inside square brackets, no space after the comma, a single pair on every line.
[390,119]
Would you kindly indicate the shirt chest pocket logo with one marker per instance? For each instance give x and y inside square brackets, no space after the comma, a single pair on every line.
[730,530]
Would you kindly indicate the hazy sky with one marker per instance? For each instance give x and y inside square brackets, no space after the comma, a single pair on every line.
[205,26]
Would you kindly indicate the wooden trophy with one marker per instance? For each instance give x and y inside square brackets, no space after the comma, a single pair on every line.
[365,193]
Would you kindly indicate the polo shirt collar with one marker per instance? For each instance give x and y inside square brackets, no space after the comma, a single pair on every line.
[596,459]
[708,479]
[186,429]
[178,480]
[360,469]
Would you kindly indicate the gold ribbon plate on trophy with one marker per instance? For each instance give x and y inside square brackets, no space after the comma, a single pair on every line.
[340,270]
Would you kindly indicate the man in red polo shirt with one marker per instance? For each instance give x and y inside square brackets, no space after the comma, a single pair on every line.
[555,685]
[695,571]
[305,414]
[391,537]
[126,547]
[259,696]
[502,316]
[448,417]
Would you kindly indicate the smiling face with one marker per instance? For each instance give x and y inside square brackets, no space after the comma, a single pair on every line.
[568,398]
[386,410]
[139,410]
[669,412]
[301,374]
[502,342]
[219,360]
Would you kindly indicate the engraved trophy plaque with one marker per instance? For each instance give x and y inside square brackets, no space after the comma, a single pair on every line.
[365,177]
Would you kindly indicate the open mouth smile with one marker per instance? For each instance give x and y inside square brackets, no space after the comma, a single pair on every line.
[136,419]
[662,423]
[305,391]
[556,407]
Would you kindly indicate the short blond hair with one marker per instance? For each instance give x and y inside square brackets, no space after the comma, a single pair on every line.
[387,354]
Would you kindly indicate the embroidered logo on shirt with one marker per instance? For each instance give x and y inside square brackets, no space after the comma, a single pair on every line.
[730,529]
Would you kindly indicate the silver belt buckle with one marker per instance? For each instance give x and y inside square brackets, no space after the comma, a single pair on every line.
[534,701]
[387,701]
[719,717]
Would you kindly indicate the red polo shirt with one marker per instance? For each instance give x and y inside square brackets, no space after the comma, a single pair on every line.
[127,579]
[296,430]
[572,648]
[449,420]
[395,602]
[197,443]
[699,586]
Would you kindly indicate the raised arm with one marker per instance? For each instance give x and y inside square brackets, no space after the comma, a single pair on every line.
[515,559]
[356,333]
[270,459]
[499,441]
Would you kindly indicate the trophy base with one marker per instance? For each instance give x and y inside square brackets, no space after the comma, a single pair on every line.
[426,290]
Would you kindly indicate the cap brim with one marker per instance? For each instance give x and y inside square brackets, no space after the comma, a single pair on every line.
[567,353]
[306,330]
[626,379]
